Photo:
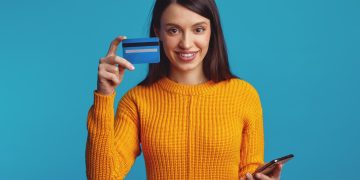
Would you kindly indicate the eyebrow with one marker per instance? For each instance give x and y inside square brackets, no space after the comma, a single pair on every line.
[196,24]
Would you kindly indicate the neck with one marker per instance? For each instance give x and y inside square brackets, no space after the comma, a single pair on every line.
[187,78]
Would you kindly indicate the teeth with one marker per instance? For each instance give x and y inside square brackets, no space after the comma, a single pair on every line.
[187,55]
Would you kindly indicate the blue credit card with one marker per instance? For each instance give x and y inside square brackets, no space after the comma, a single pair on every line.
[141,50]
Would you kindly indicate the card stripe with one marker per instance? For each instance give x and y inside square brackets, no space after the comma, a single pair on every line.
[140,44]
[141,50]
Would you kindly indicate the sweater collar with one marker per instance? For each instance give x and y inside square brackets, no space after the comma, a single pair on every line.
[186,89]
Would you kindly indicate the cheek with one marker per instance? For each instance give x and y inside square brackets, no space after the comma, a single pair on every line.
[169,43]
[168,46]
[203,43]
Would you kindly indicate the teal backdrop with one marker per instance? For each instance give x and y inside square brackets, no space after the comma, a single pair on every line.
[302,57]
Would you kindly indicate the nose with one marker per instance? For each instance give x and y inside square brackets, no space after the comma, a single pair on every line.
[186,41]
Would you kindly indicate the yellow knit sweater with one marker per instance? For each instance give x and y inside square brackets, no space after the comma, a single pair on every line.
[206,131]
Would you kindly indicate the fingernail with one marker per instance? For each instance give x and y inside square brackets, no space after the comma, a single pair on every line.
[248,175]
[257,175]
[132,67]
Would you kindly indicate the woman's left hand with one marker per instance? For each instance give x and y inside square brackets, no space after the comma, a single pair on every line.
[275,175]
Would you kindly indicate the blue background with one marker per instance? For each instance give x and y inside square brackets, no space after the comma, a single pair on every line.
[302,56]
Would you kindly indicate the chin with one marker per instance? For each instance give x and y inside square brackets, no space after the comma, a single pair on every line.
[187,67]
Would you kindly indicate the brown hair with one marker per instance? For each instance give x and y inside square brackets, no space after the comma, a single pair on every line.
[216,65]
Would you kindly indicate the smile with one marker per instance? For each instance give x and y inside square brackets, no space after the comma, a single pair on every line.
[187,56]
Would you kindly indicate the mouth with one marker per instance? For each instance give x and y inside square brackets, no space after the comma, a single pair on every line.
[187,56]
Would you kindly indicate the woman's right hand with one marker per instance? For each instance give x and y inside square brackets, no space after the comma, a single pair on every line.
[111,69]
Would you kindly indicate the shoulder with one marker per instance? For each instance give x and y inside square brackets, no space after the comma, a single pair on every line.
[242,86]
[249,97]
[139,92]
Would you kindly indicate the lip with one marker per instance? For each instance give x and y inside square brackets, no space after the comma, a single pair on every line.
[187,56]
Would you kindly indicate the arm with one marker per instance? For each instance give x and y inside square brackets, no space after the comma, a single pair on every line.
[112,143]
[252,147]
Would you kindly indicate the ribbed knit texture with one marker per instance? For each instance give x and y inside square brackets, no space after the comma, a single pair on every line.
[206,131]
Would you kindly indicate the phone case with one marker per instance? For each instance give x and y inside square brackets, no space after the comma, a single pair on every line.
[268,167]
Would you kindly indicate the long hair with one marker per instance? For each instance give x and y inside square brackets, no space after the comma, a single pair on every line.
[215,63]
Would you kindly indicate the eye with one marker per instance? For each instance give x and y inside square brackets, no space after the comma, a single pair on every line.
[200,29]
[173,31]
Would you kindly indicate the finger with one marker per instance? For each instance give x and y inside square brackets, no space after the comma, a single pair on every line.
[260,176]
[123,63]
[114,45]
[277,171]
[110,76]
[249,176]
[112,69]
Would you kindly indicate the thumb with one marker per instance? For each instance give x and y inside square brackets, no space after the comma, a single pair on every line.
[277,170]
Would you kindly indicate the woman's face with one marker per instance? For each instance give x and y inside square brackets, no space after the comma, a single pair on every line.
[185,36]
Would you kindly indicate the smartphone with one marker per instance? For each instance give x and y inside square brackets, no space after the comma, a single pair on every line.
[269,167]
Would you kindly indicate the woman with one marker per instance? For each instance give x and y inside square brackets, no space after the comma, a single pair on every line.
[192,117]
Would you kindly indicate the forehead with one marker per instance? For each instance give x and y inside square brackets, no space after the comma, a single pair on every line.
[177,14]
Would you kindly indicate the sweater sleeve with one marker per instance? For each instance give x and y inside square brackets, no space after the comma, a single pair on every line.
[113,141]
[252,146]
